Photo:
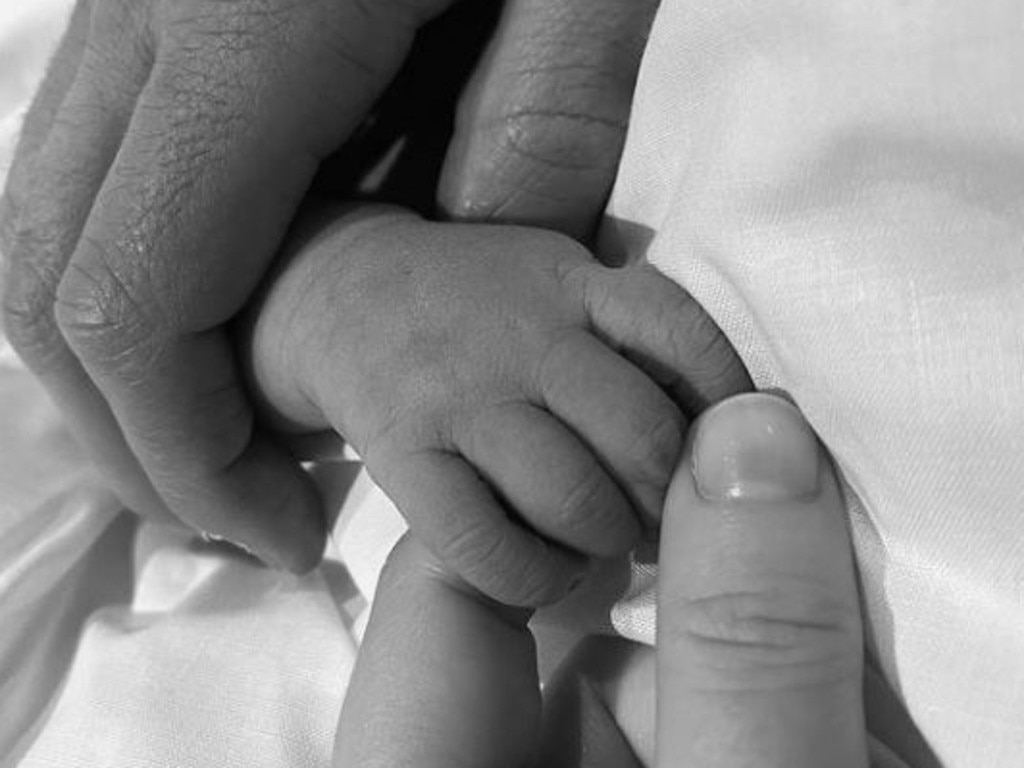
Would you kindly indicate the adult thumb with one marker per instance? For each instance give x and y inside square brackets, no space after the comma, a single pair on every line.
[759,634]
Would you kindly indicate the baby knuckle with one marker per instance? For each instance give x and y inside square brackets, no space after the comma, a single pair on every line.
[485,557]
[473,548]
[766,639]
[579,502]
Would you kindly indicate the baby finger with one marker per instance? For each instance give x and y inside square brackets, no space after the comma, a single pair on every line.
[551,479]
[451,509]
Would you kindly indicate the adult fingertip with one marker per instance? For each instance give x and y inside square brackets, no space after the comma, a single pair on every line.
[759,635]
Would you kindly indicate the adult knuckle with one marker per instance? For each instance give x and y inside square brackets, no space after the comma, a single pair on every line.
[796,636]
[99,313]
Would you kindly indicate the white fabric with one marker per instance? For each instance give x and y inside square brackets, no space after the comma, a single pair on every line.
[840,184]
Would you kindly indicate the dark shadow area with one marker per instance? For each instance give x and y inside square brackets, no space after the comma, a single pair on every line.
[398,152]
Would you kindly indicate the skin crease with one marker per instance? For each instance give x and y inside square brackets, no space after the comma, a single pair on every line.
[758,660]
[147,199]
[474,367]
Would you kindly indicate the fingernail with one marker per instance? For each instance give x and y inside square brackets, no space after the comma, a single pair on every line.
[755,447]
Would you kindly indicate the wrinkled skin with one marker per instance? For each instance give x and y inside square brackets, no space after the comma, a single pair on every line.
[759,658]
[161,163]
[484,375]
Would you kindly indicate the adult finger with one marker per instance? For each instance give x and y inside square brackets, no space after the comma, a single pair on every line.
[550,477]
[184,226]
[67,169]
[660,326]
[759,633]
[60,73]
[619,412]
[445,678]
[540,131]
[453,511]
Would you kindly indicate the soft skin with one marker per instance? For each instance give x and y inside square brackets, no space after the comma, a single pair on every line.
[497,382]
[759,655]
[161,163]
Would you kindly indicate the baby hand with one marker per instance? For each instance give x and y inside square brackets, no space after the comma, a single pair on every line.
[492,379]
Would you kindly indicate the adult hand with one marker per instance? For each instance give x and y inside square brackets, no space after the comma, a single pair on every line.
[759,656]
[159,167]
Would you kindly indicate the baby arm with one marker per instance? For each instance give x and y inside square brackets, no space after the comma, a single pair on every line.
[499,370]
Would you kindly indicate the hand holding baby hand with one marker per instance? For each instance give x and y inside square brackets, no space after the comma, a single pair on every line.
[759,657]
[489,369]
[168,150]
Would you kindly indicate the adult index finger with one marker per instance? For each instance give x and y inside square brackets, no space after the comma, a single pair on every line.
[64,174]
[759,632]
